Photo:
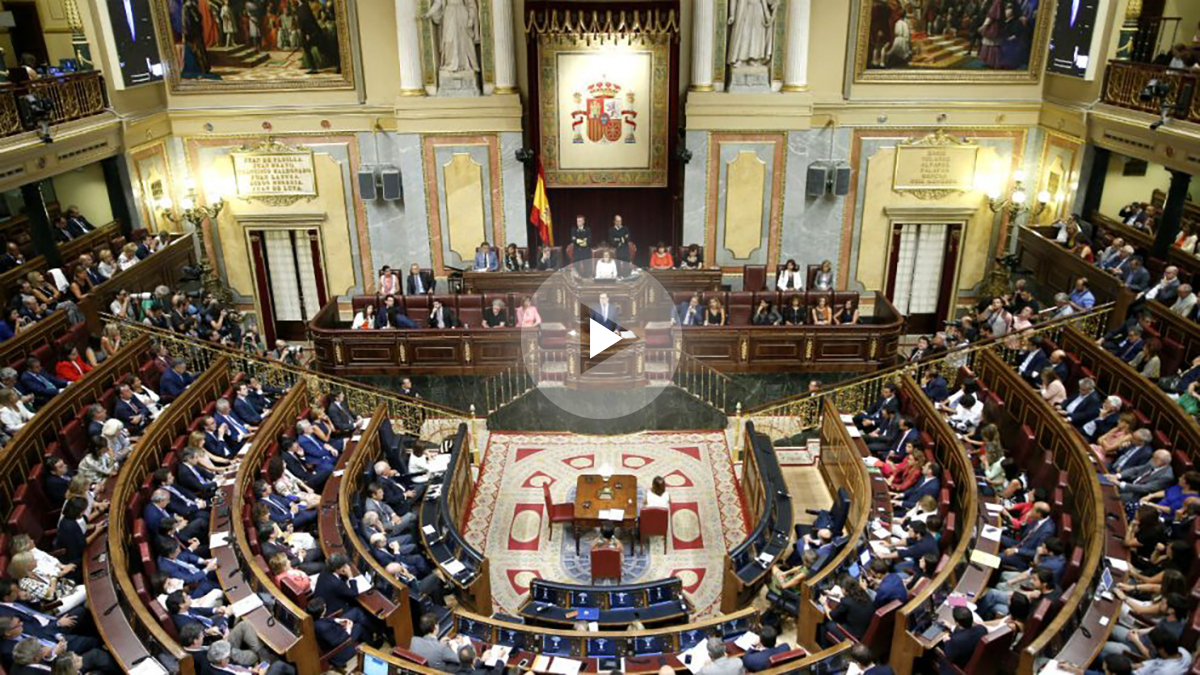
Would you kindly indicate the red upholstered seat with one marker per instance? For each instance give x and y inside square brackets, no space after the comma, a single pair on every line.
[409,655]
[556,513]
[754,278]
[606,564]
[654,522]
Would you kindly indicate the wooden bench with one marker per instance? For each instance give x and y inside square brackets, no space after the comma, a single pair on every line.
[1027,417]
[1056,269]
[337,534]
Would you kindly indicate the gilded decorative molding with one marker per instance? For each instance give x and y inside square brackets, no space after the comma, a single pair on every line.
[745,349]
[487,43]
[432,178]
[467,351]
[403,354]
[339,355]
[720,35]
[779,55]
[777,199]
[599,25]
[808,350]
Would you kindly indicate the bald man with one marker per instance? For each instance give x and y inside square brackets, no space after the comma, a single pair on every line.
[1136,482]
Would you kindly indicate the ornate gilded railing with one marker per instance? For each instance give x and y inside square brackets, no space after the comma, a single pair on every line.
[507,386]
[1124,82]
[707,384]
[70,97]
[803,412]
[412,413]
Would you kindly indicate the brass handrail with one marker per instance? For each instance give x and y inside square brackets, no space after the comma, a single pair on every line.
[857,394]
[411,412]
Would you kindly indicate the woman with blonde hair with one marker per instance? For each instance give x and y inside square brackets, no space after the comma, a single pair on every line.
[81,487]
[208,460]
[23,567]
[823,281]
[13,413]
[1115,439]
[47,564]
[1053,391]
[822,314]
[128,257]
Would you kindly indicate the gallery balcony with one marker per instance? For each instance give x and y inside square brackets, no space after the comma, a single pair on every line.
[67,97]
[1124,83]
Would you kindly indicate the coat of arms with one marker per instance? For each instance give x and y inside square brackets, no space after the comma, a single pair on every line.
[607,121]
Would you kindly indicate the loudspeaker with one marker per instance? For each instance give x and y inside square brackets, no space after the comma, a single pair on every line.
[392,190]
[366,183]
[818,178]
[841,181]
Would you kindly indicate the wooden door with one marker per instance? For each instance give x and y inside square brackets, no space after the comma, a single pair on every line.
[289,280]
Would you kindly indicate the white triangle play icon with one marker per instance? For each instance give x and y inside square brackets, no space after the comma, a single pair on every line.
[600,339]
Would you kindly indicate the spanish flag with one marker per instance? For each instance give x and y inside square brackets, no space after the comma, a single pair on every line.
[539,215]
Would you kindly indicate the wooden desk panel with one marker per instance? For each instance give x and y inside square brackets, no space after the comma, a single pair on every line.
[588,502]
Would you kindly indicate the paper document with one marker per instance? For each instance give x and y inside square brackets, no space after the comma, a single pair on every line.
[561,666]
[355,438]
[696,657]
[245,449]
[879,548]
[148,667]
[612,514]
[497,654]
[219,539]
[362,584]
[986,559]
[765,559]
[897,530]
[339,473]
[246,605]
[429,530]
[439,463]
[848,419]
[453,567]
[854,432]
[541,664]
[1118,564]
[747,640]
[991,532]
[993,507]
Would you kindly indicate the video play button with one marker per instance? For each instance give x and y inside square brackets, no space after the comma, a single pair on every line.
[600,338]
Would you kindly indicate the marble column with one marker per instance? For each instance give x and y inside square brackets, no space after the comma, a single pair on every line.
[412,81]
[795,65]
[702,45]
[502,47]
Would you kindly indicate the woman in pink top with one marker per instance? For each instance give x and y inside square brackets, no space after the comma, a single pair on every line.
[527,314]
[1052,389]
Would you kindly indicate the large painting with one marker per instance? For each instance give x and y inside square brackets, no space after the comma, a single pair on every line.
[951,40]
[224,45]
[604,111]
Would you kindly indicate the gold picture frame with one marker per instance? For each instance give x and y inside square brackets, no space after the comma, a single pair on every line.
[946,44]
[277,63]
[570,111]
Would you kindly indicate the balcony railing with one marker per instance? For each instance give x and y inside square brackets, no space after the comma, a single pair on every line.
[1124,82]
[70,97]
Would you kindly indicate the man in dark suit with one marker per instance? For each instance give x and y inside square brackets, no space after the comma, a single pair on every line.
[58,479]
[691,313]
[930,484]
[441,316]
[759,658]
[319,453]
[888,585]
[420,282]
[244,409]
[907,434]
[236,432]
[285,510]
[470,664]
[1136,453]
[12,257]
[1019,553]
[158,510]
[607,314]
[192,639]
[269,539]
[76,222]
[181,502]
[131,411]
[870,417]
[343,419]
[94,420]
[333,587]
[883,437]
[295,462]
[1138,481]
[961,644]
[193,477]
[334,632]
[62,232]
[172,383]
[1031,361]
[1136,278]
[177,563]
[920,540]
[1082,407]
[934,385]
[395,494]
[1106,418]
[44,386]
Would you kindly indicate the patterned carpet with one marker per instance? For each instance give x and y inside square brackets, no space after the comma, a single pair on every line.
[506,519]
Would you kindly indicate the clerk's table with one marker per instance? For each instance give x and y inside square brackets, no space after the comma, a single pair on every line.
[594,495]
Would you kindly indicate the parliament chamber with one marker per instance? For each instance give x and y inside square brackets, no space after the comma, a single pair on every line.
[851,337]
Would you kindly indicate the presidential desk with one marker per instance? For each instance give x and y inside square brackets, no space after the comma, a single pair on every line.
[735,348]
[527,283]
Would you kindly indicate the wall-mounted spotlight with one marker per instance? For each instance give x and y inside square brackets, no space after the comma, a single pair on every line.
[526,155]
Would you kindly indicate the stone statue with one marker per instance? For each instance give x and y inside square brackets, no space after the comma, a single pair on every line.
[752,31]
[459,20]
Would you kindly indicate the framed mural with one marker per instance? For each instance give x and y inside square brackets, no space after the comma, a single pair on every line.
[951,40]
[246,45]
[604,111]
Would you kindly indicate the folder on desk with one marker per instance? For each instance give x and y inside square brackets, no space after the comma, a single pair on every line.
[986,559]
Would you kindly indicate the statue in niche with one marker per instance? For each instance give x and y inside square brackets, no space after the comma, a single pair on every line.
[458,61]
[752,32]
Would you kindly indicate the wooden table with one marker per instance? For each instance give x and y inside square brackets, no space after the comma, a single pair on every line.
[589,504]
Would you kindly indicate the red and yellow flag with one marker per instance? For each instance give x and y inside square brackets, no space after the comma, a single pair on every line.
[539,215]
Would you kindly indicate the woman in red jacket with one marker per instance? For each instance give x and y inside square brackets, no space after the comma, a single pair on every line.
[73,367]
